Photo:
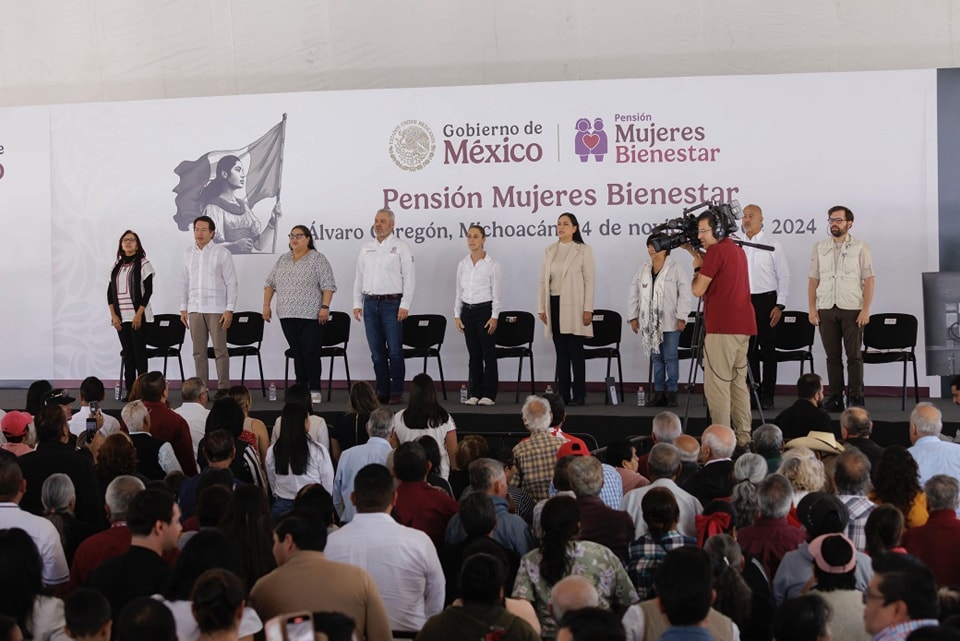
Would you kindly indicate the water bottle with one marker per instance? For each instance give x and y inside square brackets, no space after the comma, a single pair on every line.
[549,389]
[116,391]
[272,393]
[463,394]
[641,397]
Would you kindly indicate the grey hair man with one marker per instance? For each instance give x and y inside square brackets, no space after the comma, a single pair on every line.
[666,429]
[110,543]
[935,542]
[377,449]
[488,476]
[689,449]
[195,396]
[598,522]
[536,456]
[664,469]
[852,478]
[768,443]
[155,458]
[715,480]
[933,455]
[855,430]
[572,593]
[771,536]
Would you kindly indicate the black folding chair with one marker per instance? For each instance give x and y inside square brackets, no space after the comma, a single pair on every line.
[423,337]
[514,339]
[795,339]
[607,332]
[244,337]
[892,338]
[163,338]
[336,335]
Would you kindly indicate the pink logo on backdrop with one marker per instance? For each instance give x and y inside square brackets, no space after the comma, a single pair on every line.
[590,141]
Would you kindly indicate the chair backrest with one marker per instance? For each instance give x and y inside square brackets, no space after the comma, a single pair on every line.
[514,329]
[337,329]
[890,331]
[686,336]
[424,330]
[795,331]
[246,328]
[165,331]
[607,328]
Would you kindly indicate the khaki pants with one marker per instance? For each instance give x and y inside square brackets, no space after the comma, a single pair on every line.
[203,326]
[725,382]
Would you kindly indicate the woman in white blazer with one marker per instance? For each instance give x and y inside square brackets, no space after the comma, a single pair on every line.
[565,305]
[657,307]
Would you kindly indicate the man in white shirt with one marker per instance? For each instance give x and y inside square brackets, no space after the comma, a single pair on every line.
[769,286]
[208,296]
[194,409]
[402,560]
[664,468]
[42,531]
[382,294]
[92,391]
[933,455]
[375,450]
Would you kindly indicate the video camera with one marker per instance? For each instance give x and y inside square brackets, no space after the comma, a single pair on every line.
[678,231]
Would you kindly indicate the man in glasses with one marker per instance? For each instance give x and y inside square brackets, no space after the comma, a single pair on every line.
[839,294]
[901,597]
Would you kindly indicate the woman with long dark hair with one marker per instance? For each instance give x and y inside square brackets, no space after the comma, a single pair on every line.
[351,427]
[751,610]
[254,430]
[128,299]
[425,416]
[300,394]
[565,305]
[208,549]
[247,525]
[476,308]
[237,227]
[219,605]
[296,460]
[897,481]
[226,414]
[561,554]
[21,591]
[304,284]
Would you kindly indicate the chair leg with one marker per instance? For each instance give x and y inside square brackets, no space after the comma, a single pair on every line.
[346,368]
[330,379]
[606,392]
[263,385]
[516,397]
[243,371]
[620,377]
[533,385]
[443,383]
[179,362]
[916,388]
[164,367]
[903,389]
[286,372]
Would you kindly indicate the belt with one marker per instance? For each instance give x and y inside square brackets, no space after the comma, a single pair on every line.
[383,296]
[770,293]
[476,305]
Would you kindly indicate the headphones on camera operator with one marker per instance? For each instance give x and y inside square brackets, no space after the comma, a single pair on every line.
[716,226]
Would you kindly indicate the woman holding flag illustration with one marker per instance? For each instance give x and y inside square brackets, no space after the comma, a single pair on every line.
[238,228]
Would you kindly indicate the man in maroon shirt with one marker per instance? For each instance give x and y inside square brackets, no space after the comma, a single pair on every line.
[419,504]
[165,424]
[721,277]
[935,543]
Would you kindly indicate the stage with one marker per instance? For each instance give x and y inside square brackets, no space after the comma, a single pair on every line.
[596,422]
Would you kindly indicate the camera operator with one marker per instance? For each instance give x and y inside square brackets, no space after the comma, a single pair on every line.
[721,277]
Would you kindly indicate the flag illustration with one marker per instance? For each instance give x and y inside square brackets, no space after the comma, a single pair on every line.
[263,159]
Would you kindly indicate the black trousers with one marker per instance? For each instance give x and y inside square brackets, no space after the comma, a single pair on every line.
[483,374]
[133,352]
[569,356]
[763,346]
[305,337]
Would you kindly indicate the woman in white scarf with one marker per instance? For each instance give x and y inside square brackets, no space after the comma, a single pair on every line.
[658,306]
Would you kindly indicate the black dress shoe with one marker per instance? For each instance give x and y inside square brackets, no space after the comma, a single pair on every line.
[384,399]
[766,404]
[855,401]
[671,399]
[657,399]
[834,403]
[574,402]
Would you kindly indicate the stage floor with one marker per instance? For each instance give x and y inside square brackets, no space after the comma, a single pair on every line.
[603,423]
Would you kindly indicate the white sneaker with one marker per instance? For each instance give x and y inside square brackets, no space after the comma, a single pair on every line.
[486,401]
[473,400]
[316,397]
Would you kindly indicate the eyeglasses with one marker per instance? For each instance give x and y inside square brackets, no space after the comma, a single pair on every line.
[702,231]
[869,595]
[836,221]
[296,236]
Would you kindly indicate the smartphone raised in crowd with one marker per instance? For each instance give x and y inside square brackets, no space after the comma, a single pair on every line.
[290,627]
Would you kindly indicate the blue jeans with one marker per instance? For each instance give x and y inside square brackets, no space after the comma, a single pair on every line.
[666,365]
[385,337]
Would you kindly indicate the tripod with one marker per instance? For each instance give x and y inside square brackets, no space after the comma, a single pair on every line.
[696,362]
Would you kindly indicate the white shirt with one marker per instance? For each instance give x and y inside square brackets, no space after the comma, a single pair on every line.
[689,506]
[195,414]
[318,431]
[479,283]
[78,422]
[768,270]
[934,456]
[47,620]
[44,535]
[319,470]
[402,561]
[384,268]
[439,434]
[208,282]
[187,629]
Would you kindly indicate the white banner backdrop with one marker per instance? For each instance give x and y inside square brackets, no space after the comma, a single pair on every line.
[510,157]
